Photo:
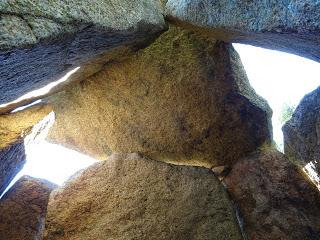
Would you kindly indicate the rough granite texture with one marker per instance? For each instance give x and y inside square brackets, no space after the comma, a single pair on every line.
[184,99]
[41,41]
[292,26]
[23,209]
[16,130]
[302,135]
[130,197]
[276,201]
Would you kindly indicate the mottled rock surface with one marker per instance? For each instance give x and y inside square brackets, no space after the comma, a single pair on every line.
[291,26]
[185,98]
[275,199]
[23,209]
[302,135]
[16,129]
[41,41]
[133,197]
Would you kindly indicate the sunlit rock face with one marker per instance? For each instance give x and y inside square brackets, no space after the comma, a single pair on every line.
[185,99]
[133,197]
[302,135]
[291,26]
[41,41]
[23,209]
[275,199]
[16,130]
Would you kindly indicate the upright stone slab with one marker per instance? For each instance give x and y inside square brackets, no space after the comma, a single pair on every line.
[275,199]
[23,209]
[292,26]
[16,130]
[133,197]
[41,41]
[302,135]
[184,99]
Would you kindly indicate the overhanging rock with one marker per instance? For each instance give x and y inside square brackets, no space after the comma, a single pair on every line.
[41,41]
[290,26]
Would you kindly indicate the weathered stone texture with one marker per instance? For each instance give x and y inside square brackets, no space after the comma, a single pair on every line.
[275,199]
[16,130]
[291,26]
[23,209]
[185,99]
[41,41]
[302,135]
[133,197]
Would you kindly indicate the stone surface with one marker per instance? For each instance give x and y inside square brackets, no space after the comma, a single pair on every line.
[275,200]
[16,130]
[185,98]
[302,135]
[291,26]
[133,197]
[41,41]
[23,209]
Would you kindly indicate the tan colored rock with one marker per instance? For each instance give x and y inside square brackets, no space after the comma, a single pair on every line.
[185,98]
[16,130]
[276,201]
[132,197]
[23,209]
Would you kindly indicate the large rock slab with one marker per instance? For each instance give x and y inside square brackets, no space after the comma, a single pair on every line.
[133,197]
[275,200]
[41,41]
[291,26]
[185,98]
[23,209]
[17,130]
[302,135]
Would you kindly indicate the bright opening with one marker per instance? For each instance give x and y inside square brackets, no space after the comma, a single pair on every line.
[36,94]
[50,161]
[54,162]
[282,79]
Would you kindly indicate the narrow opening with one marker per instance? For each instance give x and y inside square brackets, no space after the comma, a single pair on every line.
[34,96]
[282,79]
[54,162]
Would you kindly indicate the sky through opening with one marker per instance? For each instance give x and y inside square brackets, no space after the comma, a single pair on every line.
[280,78]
